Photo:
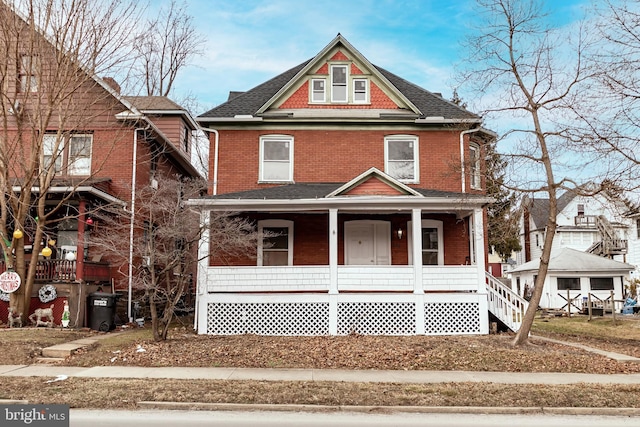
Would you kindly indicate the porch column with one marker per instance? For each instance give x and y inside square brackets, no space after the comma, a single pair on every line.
[416,235]
[478,244]
[80,244]
[333,251]
[200,315]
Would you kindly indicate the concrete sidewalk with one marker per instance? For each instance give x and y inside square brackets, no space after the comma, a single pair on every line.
[338,375]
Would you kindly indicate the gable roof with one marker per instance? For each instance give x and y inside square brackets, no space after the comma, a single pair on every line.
[539,208]
[381,176]
[421,103]
[572,260]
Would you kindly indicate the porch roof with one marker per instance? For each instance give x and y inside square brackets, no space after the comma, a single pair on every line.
[318,196]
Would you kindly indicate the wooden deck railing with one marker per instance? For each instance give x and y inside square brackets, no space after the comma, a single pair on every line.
[60,270]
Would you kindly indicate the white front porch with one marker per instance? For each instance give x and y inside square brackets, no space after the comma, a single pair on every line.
[360,290]
[378,300]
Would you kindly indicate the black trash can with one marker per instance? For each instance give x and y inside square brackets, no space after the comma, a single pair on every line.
[101,307]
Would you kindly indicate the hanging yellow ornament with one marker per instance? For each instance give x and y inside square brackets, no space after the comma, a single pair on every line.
[46,251]
[17,234]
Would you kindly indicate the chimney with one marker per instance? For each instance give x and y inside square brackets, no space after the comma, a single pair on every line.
[113,84]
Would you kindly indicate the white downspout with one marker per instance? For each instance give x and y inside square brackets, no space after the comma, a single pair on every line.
[215,161]
[462,134]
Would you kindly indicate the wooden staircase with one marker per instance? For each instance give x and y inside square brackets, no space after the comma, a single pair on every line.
[610,244]
[507,306]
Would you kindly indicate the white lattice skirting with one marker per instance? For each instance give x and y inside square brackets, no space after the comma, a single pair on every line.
[222,314]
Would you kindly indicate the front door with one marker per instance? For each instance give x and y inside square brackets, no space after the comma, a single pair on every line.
[367,243]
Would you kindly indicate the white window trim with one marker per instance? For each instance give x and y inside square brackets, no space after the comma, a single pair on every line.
[49,140]
[474,169]
[267,138]
[312,91]
[416,157]
[366,91]
[427,223]
[68,154]
[282,223]
[340,101]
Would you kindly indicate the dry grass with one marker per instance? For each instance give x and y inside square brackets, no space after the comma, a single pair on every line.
[26,344]
[484,353]
[122,393]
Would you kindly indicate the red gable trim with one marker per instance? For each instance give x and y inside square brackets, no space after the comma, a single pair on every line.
[373,187]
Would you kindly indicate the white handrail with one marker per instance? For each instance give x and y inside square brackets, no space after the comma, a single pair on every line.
[505,304]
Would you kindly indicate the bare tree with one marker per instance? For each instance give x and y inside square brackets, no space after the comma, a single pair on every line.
[169,44]
[54,49]
[166,254]
[534,76]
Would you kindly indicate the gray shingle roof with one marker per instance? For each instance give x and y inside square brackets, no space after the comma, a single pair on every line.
[567,259]
[243,103]
[539,208]
[249,102]
[317,191]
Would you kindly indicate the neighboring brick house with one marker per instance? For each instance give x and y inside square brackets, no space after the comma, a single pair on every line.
[109,146]
[373,189]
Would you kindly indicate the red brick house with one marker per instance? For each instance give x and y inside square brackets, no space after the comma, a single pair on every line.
[102,146]
[372,187]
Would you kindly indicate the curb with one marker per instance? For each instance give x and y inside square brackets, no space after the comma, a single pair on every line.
[630,412]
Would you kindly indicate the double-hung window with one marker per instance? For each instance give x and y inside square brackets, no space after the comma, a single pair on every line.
[360,91]
[339,78]
[27,74]
[474,166]
[52,147]
[318,93]
[69,153]
[79,155]
[276,158]
[275,246]
[401,157]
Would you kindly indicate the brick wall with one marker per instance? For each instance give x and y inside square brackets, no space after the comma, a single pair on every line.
[335,156]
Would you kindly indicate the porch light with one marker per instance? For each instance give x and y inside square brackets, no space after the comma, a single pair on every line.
[46,251]
[17,234]
[399,233]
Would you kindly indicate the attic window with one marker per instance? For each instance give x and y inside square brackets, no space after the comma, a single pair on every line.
[581,210]
[318,93]
[339,79]
[360,91]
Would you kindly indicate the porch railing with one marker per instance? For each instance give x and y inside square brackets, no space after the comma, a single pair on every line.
[349,279]
[60,270]
[505,304]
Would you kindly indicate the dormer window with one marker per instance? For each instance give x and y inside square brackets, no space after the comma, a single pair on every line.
[339,77]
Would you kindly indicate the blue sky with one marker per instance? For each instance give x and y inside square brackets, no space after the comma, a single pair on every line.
[250,41]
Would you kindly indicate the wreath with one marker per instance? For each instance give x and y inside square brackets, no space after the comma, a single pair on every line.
[4,296]
[47,293]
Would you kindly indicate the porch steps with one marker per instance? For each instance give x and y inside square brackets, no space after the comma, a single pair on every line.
[507,306]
